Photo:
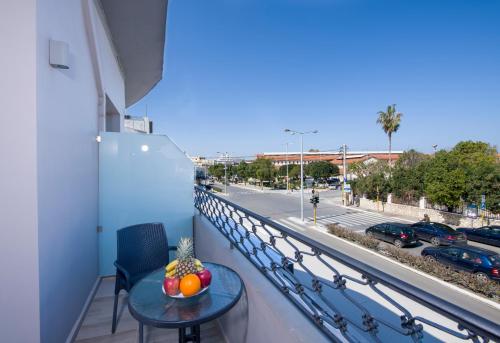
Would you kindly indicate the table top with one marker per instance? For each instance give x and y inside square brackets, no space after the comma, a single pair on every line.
[150,306]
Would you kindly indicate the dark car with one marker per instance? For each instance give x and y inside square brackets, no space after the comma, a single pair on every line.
[485,264]
[486,234]
[438,234]
[400,235]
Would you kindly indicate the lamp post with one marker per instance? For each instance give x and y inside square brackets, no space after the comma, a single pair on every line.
[293,132]
[225,155]
[343,150]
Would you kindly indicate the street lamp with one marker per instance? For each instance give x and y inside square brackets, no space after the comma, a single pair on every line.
[293,132]
[435,147]
[225,155]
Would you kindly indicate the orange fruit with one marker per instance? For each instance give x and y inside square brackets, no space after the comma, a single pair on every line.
[190,285]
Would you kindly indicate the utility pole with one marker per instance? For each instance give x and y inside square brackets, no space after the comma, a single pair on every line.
[302,177]
[225,155]
[344,163]
[301,166]
[225,173]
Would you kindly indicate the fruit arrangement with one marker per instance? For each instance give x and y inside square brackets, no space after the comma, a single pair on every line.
[185,274]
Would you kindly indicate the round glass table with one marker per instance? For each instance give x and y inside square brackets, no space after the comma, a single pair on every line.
[150,306]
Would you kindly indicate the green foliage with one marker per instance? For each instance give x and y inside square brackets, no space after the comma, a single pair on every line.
[444,182]
[463,174]
[478,162]
[408,176]
[390,121]
[374,181]
[242,170]
[217,170]
[449,178]
[294,171]
[262,169]
[321,170]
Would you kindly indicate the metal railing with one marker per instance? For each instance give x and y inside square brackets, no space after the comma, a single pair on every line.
[335,291]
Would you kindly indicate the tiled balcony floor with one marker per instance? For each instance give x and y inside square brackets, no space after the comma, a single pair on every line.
[96,327]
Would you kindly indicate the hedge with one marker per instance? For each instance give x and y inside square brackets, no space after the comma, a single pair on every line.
[490,289]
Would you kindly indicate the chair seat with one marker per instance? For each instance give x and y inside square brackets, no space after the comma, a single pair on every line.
[136,277]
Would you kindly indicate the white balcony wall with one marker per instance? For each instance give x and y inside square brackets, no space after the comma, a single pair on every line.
[19,307]
[263,312]
[112,75]
[49,174]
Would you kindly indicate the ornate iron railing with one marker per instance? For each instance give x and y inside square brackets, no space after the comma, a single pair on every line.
[338,293]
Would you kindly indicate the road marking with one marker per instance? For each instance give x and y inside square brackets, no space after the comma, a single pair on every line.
[290,224]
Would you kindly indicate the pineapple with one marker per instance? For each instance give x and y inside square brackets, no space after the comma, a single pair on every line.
[186,261]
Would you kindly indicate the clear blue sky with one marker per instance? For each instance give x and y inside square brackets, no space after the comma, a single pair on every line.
[237,72]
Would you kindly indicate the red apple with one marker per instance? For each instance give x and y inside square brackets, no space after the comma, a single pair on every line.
[205,277]
[171,285]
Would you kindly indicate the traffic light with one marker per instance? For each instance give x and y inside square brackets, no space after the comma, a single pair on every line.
[314,199]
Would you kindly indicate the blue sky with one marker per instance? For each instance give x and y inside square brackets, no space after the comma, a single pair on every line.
[237,72]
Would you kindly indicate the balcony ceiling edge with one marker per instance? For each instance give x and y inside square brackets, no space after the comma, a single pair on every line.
[138,33]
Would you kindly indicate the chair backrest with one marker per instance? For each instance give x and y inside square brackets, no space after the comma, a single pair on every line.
[142,248]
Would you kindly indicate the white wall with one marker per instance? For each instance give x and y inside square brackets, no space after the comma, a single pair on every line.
[67,171]
[19,309]
[67,119]
[112,76]
[263,311]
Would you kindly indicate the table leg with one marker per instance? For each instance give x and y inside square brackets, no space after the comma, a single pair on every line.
[195,331]
[140,333]
[193,336]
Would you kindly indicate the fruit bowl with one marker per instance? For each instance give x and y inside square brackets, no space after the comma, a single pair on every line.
[181,296]
[185,276]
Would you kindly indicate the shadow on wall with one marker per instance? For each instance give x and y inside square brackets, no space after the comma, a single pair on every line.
[354,314]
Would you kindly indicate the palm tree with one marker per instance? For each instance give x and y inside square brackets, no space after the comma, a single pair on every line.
[389,121]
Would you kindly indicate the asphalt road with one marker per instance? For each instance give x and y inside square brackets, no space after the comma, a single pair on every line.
[285,209]
[282,206]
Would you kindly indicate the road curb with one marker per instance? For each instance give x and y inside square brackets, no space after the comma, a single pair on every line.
[416,271]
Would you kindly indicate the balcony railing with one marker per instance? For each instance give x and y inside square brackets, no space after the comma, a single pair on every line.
[338,293]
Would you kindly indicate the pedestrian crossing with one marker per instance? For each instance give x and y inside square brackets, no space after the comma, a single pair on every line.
[352,219]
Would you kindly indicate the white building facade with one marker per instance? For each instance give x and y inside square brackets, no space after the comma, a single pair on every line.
[49,173]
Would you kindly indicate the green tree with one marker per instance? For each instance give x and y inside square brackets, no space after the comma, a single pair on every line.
[321,169]
[294,171]
[408,175]
[374,182]
[390,121]
[216,170]
[478,162]
[242,171]
[263,169]
[445,183]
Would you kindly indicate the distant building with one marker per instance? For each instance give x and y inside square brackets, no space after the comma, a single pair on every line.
[137,124]
[334,157]
[201,161]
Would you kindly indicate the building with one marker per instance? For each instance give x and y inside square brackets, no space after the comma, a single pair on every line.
[334,157]
[138,124]
[69,71]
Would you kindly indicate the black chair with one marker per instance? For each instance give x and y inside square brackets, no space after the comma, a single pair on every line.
[141,249]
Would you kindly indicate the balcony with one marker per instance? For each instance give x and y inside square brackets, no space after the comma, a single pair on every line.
[298,290]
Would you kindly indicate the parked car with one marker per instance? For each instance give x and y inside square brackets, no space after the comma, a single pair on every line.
[400,235]
[487,234]
[333,182]
[438,234]
[485,264]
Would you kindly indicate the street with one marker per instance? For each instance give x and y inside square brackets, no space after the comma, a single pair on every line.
[285,209]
